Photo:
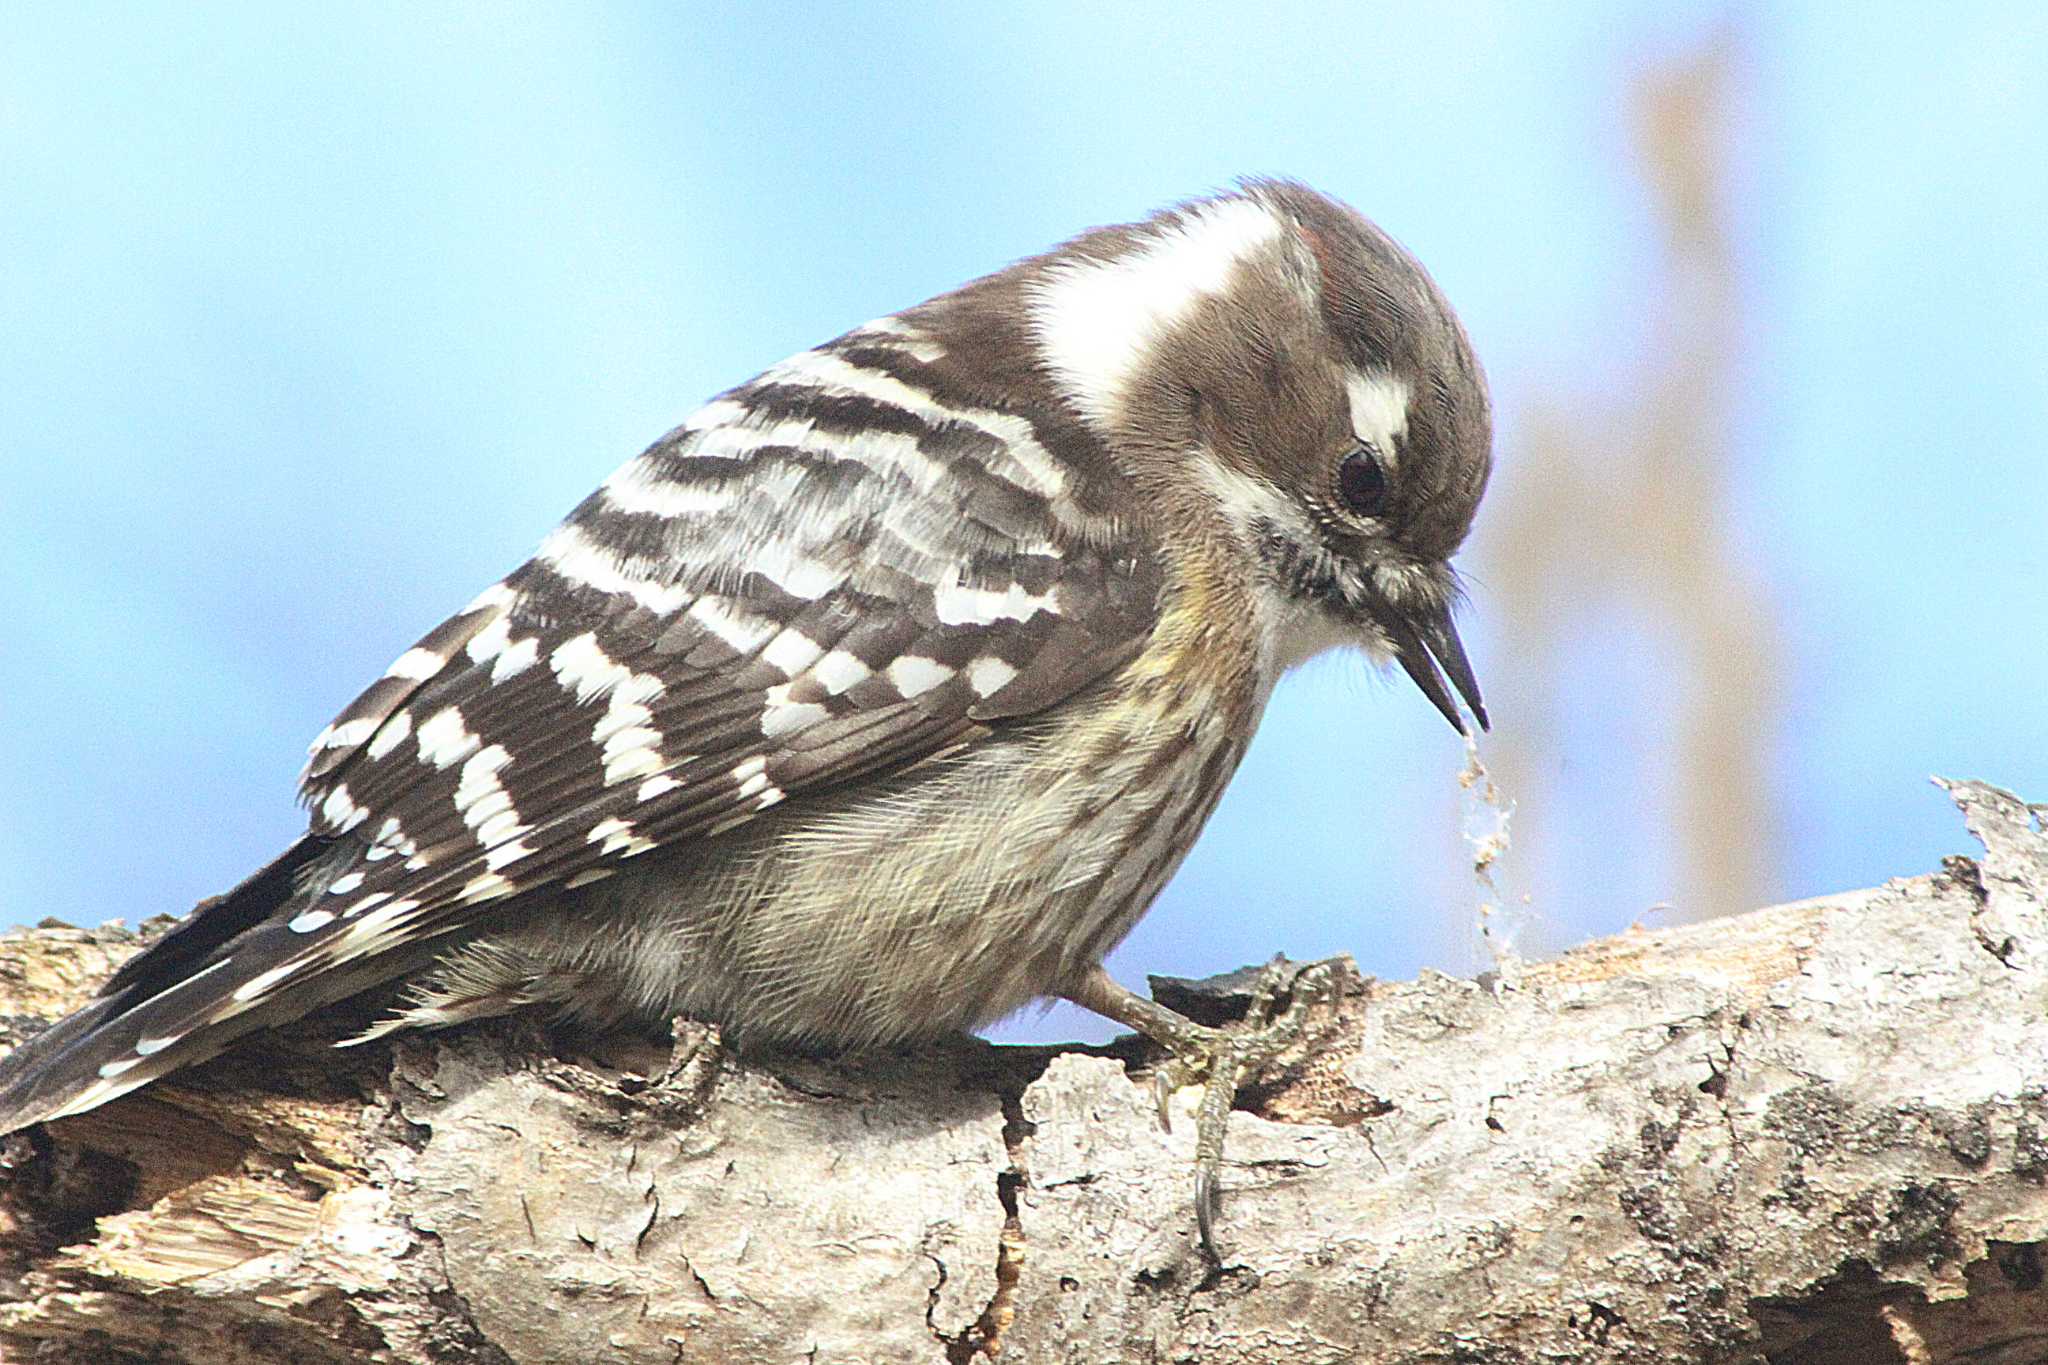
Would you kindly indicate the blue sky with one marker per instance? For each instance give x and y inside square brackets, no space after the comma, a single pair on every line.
[313,322]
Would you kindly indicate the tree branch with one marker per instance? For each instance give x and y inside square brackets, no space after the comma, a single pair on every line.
[1817,1132]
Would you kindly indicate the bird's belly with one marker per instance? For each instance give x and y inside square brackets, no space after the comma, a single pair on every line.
[974,886]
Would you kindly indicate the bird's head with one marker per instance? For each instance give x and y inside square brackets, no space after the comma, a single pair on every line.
[1279,367]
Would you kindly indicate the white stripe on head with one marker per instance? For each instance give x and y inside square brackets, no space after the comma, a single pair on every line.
[1096,321]
[1379,412]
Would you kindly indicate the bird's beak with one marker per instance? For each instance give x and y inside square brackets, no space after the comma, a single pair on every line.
[1422,643]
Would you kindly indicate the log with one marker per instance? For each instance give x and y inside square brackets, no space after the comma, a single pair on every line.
[1816,1132]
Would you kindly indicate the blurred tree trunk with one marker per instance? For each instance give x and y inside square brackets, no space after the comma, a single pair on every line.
[1817,1132]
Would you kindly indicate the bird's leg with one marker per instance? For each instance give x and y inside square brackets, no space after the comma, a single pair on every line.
[1221,1058]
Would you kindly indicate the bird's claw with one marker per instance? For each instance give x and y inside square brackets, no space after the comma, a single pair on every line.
[1162,1093]
[1225,1058]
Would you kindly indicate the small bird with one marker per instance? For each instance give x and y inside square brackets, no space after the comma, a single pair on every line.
[881,697]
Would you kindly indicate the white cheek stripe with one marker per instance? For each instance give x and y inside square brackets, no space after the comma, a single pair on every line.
[1287,633]
[1244,500]
[1097,321]
[1379,412]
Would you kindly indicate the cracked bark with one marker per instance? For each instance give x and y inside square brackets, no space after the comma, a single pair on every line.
[1817,1132]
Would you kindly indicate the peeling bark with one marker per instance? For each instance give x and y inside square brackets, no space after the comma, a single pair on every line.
[1817,1132]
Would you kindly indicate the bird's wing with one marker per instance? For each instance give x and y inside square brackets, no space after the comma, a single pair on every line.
[825,575]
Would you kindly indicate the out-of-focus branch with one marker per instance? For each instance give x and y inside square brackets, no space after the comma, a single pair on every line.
[1645,454]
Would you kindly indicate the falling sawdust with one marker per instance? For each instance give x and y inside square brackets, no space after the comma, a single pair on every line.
[1484,827]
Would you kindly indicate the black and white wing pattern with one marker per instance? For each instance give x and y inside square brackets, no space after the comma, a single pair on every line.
[826,572]
[842,567]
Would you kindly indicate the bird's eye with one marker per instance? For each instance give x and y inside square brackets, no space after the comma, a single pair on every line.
[1362,482]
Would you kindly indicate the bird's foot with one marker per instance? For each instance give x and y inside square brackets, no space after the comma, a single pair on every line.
[1220,1059]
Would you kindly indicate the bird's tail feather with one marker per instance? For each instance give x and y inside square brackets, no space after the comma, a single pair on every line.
[177,1002]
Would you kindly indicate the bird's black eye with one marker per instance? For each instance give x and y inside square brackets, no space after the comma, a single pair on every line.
[1362,482]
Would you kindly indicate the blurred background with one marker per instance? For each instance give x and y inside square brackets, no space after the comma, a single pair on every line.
[313,322]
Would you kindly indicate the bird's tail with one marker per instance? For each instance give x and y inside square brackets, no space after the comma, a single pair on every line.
[175,1003]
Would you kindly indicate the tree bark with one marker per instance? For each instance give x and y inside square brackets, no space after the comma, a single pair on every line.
[1817,1132]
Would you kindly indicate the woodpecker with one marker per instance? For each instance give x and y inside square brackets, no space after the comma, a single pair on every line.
[881,697]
